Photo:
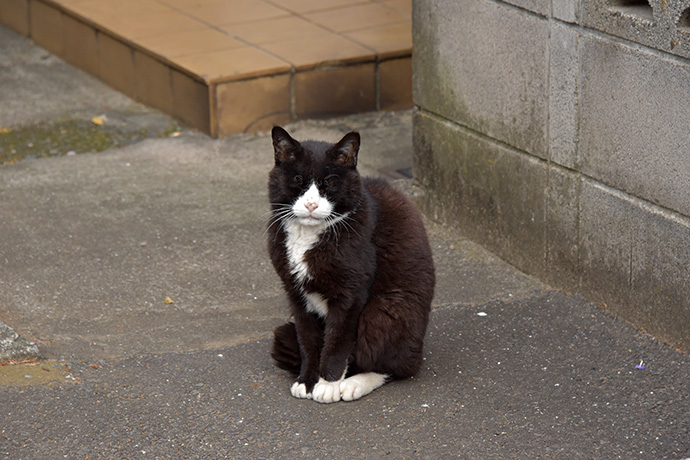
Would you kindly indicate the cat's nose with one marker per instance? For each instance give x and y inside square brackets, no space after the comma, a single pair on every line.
[311,206]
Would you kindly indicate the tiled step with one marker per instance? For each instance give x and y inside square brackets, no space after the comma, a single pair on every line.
[228,66]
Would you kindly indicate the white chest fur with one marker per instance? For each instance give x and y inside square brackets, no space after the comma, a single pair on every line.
[301,239]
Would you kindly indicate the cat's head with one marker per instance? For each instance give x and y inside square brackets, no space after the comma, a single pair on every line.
[314,183]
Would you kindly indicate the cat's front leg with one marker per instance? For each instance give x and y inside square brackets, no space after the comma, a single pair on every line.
[327,391]
[310,338]
[299,390]
[338,343]
[303,387]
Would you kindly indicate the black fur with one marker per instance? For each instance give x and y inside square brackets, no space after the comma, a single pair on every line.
[374,268]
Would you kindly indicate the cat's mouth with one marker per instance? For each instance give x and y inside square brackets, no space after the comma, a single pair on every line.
[310,220]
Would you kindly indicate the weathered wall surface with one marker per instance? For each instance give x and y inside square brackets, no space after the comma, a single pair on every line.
[557,133]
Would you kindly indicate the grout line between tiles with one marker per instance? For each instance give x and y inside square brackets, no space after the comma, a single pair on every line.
[319,25]
[213,110]
[173,64]
[211,84]
[101,29]
[291,88]
[218,29]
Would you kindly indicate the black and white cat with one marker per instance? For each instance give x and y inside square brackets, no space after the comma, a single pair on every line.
[356,264]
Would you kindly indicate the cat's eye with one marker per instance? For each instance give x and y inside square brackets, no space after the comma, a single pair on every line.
[298,180]
[330,180]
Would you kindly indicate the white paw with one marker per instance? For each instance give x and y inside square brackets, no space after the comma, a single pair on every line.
[299,390]
[326,392]
[361,384]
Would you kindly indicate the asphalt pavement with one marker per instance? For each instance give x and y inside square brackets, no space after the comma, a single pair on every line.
[136,288]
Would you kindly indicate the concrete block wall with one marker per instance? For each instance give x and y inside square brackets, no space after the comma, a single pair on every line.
[557,133]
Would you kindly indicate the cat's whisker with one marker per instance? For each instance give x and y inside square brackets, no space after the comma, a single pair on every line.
[266,218]
[276,207]
[280,216]
[280,220]
[280,213]
[332,222]
[277,215]
[279,206]
[347,226]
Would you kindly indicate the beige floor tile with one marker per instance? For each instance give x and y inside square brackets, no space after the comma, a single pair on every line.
[189,4]
[253,105]
[310,6]
[15,15]
[224,66]
[153,82]
[99,10]
[273,30]
[80,44]
[402,6]
[147,25]
[336,91]
[68,3]
[116,64]
[395,84]
[191,101]
[46,26]
[174,44]
[387,41]
[357,17]
[234,64]
[235,11]
[326,48]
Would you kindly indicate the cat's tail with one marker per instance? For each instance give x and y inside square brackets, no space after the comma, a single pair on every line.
[286,348]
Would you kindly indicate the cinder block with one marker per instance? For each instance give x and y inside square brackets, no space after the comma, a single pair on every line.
[439,167]
[536,6]
[562,228]
[566,10]
[483,65]
[608,212]
[563,94]
[605,244]
[634,122]
[494,193]
[640,271]
[660,24]
[660,291]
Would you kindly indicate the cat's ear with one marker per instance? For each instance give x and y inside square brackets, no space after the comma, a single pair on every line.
[285,147]
[346,150]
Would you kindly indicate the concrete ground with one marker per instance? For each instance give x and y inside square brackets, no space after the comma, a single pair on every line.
[141,275]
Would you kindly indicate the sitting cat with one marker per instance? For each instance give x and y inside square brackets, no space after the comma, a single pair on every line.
[355,261]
